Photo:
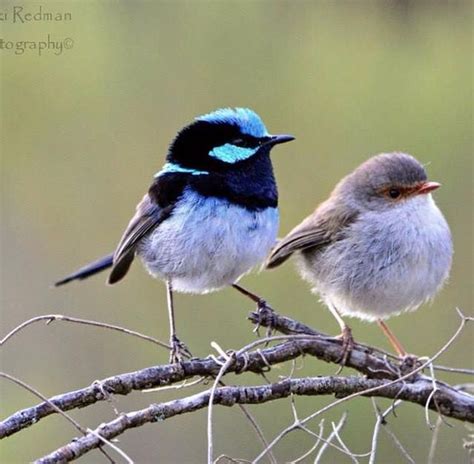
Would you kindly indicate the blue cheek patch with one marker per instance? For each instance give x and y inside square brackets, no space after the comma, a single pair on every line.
[172,168]
[229,153]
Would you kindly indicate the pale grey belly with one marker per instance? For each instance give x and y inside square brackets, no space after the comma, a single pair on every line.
[385,269]
[208,243]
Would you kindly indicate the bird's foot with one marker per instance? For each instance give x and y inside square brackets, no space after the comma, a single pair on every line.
[262,305]
[409,362]
[347,346]
[179,350]
[266,317]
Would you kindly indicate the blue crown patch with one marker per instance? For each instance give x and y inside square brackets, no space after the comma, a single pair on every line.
[247,120]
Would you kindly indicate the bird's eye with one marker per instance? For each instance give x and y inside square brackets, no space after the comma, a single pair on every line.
[394,193]
[246,142]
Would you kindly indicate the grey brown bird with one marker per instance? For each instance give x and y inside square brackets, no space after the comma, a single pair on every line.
[378,246]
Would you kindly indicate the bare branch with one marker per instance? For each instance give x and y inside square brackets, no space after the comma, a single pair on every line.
[46,400]
[229,396]
[328,350]
[76,424]
[269,318]
[384,376]
[365,360]
[374,391]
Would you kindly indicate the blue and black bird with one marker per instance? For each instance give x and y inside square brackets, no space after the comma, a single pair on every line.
[210,214]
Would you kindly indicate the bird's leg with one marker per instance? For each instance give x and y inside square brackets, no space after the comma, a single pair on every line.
[264,311]
[409,361]
[261,303]
[345,336]
[178,349]
[393,340]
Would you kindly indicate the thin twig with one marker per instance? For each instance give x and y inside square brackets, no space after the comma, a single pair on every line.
[184,384]
[76,424]
[244,410]
[229,361]
[59,317]
[122,453]
[454,370]
[380,421]
[343,450]
[232,460]
[375,434]
[257,429]
[431,397]
[344,446]
[403,451]
[313,448]
[434,440]
[331,436]
[35,392]
[297,425]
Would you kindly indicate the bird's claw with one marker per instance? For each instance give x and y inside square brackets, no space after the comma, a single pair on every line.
[265,317]
[262,305]
[409,363]
[347,346]
[178,350]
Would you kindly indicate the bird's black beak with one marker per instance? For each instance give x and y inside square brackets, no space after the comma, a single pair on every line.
[282,138]
[276,139]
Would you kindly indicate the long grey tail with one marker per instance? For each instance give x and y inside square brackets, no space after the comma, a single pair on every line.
[88,270]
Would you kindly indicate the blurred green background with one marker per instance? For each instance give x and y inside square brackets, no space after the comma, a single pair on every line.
[84,131]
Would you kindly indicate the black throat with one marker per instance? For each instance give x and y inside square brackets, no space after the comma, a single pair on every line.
[249,183]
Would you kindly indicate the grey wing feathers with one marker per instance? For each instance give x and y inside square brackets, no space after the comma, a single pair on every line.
[324,226]
[148,216]
[296,240]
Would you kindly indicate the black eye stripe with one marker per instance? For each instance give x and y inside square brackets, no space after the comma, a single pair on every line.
[246,142]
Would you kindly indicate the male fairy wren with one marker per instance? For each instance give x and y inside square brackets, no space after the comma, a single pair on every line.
[210,214]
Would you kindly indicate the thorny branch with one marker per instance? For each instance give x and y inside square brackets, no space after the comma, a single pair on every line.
[383,376]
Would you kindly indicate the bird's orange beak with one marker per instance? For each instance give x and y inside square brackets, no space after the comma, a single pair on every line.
[428,187]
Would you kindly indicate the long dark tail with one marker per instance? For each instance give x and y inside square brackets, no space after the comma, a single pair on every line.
[88,270]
